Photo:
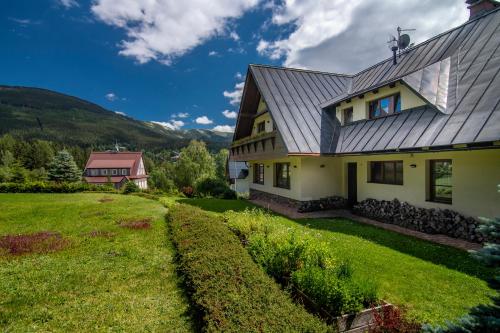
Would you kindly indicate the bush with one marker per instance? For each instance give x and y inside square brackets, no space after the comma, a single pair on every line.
[294,256]
[130,187]
[187,191]
[44,187]
[228,289]
[214,187]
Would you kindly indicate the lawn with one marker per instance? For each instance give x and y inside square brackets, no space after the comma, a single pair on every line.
[121,280]
[432,282]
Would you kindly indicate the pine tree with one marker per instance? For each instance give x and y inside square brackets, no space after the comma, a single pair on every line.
[63,168]
[484,318]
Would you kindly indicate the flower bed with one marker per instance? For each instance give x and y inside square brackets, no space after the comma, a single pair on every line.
[299,259]
[229,291]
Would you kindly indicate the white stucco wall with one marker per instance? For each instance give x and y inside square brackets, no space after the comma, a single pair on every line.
[475,178]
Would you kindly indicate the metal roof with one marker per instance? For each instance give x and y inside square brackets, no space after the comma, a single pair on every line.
[456,72]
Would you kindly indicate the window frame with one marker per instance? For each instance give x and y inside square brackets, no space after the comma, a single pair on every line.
[261,127]
[124,172]
[278,180]
[258,173]
[392,105]
[384,178]
[344,111]
[432,185]
[104,172]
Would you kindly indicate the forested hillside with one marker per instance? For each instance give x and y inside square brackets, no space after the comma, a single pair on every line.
[33,113]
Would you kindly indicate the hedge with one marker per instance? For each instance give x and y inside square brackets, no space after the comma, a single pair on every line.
[44,187]
[230,292]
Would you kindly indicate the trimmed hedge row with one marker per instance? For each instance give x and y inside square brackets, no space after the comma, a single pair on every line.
[231,292]
[43,187]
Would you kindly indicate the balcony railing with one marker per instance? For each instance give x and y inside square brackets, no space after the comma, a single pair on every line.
[247,144]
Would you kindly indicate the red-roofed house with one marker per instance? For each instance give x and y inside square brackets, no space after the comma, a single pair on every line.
[117,167]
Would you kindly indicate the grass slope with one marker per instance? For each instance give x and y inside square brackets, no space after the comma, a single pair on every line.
[434,283]
[32,113]
[124,283]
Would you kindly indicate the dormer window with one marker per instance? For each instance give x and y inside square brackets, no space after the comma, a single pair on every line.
[261,127]
[347,114]
[384,106]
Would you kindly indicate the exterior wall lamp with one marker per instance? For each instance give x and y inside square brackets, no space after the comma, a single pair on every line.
[413,166]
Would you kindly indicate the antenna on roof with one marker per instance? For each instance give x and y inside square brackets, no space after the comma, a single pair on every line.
[118,147]
[401,42]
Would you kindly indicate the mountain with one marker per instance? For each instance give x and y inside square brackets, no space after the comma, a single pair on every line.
[34,113]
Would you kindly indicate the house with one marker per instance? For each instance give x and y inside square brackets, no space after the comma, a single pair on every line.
[425,130]
[117,168]
[237,173]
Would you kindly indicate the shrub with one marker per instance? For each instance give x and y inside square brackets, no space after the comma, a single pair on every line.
[130,187]
[214,187]
[391,320]
[187,191]
[332,290]
[228,289]
[294,256]
[44,187]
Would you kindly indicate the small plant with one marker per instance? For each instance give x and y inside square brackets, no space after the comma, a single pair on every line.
[136,224]
[187,191]
[40,242]
[130,187]
[391,320]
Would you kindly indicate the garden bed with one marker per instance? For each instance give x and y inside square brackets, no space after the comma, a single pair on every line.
[228,290]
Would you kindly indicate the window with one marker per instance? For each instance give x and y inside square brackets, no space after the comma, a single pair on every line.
[386,172]
[385,106]
[261,127]
[440,176]
[347,116]
[258,173]
[114,172]
[94,172]
[282,175]
[104,172]
[124,172]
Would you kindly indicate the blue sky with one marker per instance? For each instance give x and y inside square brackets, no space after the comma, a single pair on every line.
[182,62]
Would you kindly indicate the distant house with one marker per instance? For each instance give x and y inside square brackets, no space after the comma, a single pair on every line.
[237,173]
[117,168]
[423,127]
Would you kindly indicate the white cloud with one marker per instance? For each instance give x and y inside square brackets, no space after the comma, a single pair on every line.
[69,3]
[230,114]
[120,113]
[162,30]
[111,97]
[213,53]
[172,124]
[239,76]
[234,36]
[235,95]
[180,115]
[223,128]
[24,22]
[203,120]
[349,35]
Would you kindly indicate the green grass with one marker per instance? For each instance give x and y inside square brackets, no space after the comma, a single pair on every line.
[433,282]
[124,283]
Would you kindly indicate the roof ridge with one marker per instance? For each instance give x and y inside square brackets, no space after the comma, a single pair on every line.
[427,41]
[300,70]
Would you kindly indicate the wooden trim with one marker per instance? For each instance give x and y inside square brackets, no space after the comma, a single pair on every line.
[304,154]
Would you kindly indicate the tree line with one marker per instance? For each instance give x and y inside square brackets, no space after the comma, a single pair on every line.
[169,170]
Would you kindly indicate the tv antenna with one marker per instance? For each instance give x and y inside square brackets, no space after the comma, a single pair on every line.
[399,43]
[118,147]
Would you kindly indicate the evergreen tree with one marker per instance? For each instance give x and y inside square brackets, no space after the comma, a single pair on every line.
[484,318]
[63,168]
[18,173]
